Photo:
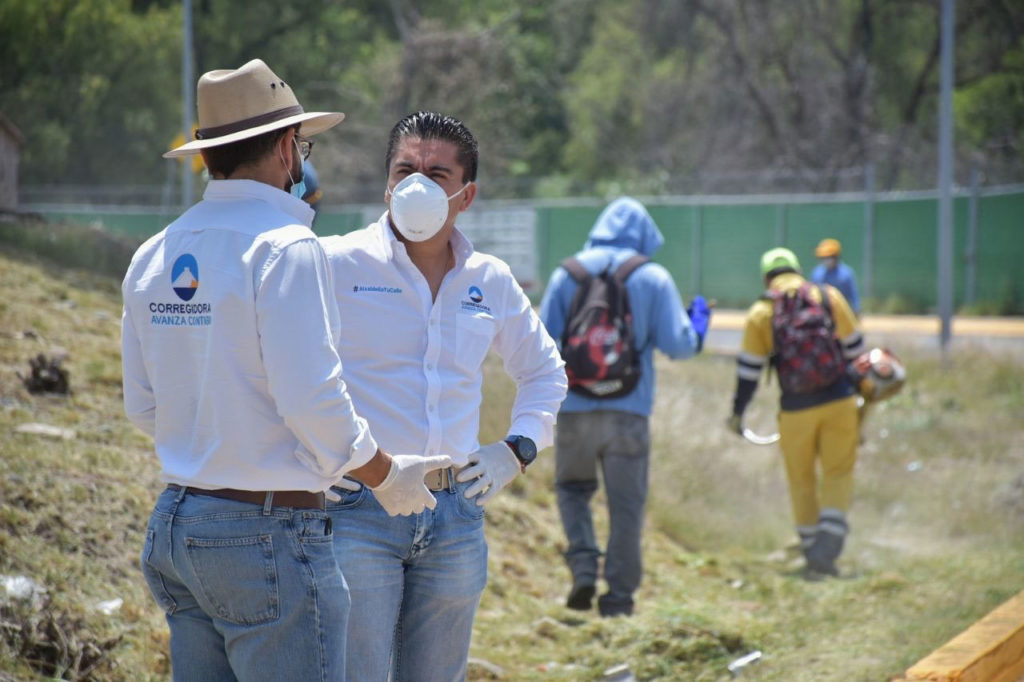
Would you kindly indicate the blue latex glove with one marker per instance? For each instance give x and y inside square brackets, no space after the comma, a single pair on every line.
[700,317]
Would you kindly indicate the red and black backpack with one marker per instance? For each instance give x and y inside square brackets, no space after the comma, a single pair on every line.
[598,344]
[807,356]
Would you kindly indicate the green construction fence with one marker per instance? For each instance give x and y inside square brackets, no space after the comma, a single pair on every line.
[713,244]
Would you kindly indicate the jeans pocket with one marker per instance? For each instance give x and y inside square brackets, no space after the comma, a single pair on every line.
[466,508]
[632,437]
[316,527]
[349,498]
[237,576]
[154,579]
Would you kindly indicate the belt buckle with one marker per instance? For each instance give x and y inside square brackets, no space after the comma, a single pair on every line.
[438,479]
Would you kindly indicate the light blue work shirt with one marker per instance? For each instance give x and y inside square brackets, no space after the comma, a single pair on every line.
[624,229]
[841,277]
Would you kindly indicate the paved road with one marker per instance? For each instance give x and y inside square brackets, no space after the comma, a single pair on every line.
[995,334]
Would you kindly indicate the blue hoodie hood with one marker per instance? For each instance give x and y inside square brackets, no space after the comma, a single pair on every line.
[626,224]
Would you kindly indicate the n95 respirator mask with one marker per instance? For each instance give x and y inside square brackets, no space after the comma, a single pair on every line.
[419,207]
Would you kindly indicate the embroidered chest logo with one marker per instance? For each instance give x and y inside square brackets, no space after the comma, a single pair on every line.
[474,301]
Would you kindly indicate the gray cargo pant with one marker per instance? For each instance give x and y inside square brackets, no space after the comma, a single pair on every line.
[620,443]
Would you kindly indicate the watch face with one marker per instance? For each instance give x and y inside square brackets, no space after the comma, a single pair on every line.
[526,449]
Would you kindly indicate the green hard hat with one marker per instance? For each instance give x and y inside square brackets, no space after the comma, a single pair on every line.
[778,258]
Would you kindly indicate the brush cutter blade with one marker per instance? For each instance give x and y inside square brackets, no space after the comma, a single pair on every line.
[758,439]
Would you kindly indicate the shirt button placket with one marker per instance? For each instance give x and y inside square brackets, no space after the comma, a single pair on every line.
[433,380]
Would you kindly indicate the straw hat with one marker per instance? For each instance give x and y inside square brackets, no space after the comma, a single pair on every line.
[236,104]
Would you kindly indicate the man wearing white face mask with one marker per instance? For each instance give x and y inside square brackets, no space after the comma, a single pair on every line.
[437,306]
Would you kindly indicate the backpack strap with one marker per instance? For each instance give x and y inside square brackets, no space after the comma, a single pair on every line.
[826,303]
[575,269]
[627,268]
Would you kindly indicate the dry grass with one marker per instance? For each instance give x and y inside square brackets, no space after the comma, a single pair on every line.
[936,521]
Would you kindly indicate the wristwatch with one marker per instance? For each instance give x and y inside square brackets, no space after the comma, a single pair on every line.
[523,448]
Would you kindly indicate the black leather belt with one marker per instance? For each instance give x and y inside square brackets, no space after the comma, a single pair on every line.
[298,499]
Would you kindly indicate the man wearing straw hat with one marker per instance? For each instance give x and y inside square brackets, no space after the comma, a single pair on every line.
[229,363]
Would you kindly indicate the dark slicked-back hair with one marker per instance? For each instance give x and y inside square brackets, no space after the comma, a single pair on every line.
[428,125]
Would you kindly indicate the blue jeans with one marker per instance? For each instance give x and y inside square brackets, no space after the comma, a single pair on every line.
[415,583]
[619,443]
[250,593]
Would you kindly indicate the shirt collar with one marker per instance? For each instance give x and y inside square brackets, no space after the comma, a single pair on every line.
[234,190]
[462,248]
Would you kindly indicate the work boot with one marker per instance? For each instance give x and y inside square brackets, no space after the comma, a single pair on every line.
[818,569]
[821,556]
[818,572]
[581,596]
[609,606]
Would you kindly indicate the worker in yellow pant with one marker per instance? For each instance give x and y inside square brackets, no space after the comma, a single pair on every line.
[809,335]
[827,434]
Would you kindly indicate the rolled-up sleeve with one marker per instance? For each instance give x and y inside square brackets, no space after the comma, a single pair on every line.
[296,313]
[532,359]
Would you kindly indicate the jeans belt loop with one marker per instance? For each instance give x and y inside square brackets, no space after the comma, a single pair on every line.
[268,503]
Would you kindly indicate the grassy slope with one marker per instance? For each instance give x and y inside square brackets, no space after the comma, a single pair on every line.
[934,546]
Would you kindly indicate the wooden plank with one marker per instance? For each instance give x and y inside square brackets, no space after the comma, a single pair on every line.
[991,650]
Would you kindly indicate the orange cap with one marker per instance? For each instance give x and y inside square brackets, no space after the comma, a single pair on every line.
[828,248]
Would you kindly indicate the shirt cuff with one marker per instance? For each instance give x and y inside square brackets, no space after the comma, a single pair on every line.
[363,448]
[538,429]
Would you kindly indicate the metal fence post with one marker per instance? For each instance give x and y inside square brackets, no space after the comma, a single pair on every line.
[945,149]
[188,101]
[867,262]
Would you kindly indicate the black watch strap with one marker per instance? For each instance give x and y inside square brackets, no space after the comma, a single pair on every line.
[523,448]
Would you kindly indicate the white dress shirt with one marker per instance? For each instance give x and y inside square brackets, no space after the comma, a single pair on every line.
[228,347]
[413,365]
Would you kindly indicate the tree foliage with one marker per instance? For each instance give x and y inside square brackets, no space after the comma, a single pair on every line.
[566,96]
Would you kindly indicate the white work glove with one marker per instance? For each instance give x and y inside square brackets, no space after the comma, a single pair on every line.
[403,492]
[493,466]
[348,484]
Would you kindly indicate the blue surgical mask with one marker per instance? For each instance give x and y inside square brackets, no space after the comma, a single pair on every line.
[298,188]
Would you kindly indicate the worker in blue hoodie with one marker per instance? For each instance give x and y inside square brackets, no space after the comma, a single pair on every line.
[610,432]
